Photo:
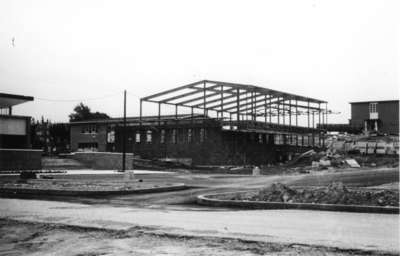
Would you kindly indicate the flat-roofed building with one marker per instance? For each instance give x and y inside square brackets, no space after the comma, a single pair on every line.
[376,116]
[15,140]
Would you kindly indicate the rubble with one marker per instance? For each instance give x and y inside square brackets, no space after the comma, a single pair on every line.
[334,193]
[352,163]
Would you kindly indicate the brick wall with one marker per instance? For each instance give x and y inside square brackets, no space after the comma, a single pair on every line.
[20,159]
[100,137]
[103,160]
[388,112]
[219,147]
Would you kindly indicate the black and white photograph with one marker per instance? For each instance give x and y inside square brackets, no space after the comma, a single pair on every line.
[196,128]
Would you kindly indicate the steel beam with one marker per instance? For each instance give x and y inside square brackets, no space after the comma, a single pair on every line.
[172,90]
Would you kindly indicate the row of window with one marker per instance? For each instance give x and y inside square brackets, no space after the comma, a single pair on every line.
[297,140]
[88,146]
[89,128]
[4,111]
[277,139]
[172,136]
[287,139]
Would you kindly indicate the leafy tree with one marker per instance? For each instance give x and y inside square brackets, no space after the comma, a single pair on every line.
[82,113]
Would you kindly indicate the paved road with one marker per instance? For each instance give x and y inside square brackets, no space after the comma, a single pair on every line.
[338,229]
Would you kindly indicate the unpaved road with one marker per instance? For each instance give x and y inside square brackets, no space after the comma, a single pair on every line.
[175,228]
[331,229]
[38,239]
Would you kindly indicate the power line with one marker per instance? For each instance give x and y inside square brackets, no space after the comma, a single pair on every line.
[75,100]
[137,96]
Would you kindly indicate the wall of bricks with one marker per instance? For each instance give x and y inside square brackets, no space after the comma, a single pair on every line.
[388,112]
[20,159]
[219,147]
[103,160]
[100,137]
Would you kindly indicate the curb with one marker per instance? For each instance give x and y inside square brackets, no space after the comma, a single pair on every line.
[54,192]
[206,200]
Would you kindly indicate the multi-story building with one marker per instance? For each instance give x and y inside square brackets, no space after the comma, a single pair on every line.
[376,116]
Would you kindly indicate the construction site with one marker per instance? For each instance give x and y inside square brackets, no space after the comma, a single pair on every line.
[220,123]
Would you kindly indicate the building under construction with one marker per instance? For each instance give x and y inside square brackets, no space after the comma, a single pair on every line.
[218,123]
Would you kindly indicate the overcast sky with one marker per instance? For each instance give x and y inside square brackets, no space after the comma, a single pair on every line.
[338,51]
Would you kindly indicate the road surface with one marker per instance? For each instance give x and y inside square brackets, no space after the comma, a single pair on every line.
[332,229]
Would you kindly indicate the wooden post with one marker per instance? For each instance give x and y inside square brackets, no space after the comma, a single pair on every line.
[222,102]
[124,134]
[297,114]
[238,105]
[290,113]
[283,112]
[140,113]
[159,113]
[204,101]
[308,114]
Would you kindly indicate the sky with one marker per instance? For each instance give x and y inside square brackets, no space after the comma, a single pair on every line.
[66,52]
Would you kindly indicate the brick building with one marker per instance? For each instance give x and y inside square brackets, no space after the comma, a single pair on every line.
[378,116]
[99,135]
[238,124]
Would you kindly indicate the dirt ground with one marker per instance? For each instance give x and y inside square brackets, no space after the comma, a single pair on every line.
[25,238]
[18,238]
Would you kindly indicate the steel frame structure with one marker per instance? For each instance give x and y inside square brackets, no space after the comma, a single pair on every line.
[241,102]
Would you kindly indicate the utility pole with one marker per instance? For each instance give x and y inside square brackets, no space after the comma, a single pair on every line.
[124,135]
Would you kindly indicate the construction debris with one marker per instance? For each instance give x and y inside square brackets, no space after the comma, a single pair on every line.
[352,163]
[334,193]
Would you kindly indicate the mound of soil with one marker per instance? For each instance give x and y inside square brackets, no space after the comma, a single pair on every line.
[74,185]
[335,193]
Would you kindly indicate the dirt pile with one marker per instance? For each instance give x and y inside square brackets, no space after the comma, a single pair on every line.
[335,193]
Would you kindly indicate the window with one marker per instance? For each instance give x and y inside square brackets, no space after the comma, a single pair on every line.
[93,129]
[293,140]
[137,137]
[316,141]
[305,141]
[4,111]
[149,136]
[189,136]
[372,107]
[89,129]
[173,138]
[162,136]
[202,135]
[285,139]
[111,137]
[87,146]
[278,139]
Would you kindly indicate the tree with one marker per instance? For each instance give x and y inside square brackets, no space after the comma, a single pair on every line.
[82,113]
